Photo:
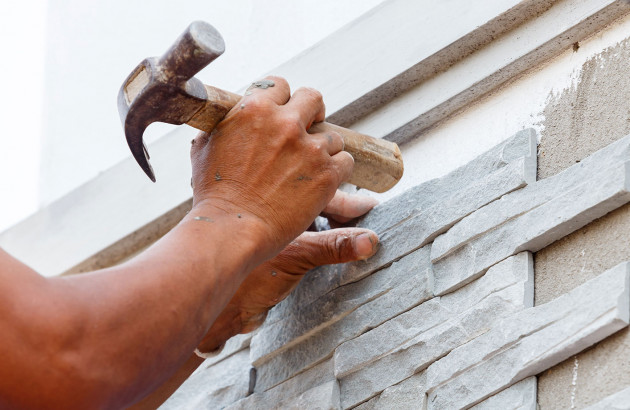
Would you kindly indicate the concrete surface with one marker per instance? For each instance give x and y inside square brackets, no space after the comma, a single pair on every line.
[584,118]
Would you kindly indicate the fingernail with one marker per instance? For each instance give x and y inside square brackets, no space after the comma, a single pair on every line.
[365,245]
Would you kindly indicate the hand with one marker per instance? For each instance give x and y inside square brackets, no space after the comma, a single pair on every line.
[261,163]
[272,281]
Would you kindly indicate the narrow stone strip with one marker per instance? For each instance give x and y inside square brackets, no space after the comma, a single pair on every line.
[290,389]
[424,349]
[303,321]
[213,387]
[321,345]
[426,224]
[519,396]
[356,353]
[499,168]
[616,401]
[532,196]
[595,197]
[423,196]
[531,341]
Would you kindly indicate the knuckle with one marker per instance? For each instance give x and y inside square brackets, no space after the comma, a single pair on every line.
[291,125]
[315,151]
[312,94]
[336,139]
[258,104]
[279,81]
[331,246]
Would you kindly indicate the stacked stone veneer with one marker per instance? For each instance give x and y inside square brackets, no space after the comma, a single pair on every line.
[442,317]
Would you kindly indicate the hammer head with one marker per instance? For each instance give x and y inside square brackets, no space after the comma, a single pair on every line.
[163,89]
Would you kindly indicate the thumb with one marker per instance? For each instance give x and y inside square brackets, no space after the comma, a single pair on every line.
[341,245]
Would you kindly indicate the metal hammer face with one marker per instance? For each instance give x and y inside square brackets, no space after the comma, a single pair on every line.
[163,89]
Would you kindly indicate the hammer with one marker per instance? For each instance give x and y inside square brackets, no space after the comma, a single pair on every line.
[164,89]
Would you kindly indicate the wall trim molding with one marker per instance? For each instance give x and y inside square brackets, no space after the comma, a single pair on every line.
[384,74]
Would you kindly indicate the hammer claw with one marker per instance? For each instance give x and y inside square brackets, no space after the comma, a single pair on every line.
[141,154]
[164,89]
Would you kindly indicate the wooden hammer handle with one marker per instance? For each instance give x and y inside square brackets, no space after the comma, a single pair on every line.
[378,164]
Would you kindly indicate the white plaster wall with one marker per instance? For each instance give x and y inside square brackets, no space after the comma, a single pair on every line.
[514,107]
[92,47]
[22,28]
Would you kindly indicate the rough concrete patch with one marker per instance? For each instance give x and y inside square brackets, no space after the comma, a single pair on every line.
[578,122]
[588,116]
[602,370]
[605,368]
[582,255]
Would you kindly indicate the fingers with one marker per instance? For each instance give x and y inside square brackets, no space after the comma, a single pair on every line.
[309,105]
[331,141]
[272,88]
[342,163]
[345,207]
[200,140]
[312,249]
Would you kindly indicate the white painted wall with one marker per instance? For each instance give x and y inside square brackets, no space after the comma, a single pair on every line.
[492,119]
[93,46]
[22,40]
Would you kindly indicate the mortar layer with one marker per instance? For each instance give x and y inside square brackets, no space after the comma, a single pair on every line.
[591,114]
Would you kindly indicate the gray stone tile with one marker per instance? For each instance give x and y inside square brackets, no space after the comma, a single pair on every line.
[303,321]
[424,349]
[213,387]
[463,198]
[320,346]
[616,401]
[408,394]
[571,210]
[517,203]
[370,346]
[519,396]
[423,196]
[531,341]
[290,389]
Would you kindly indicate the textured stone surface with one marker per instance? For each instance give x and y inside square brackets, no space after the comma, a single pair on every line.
[519,149]
[595,197]
[234,345]
[411,394]
[214,387]
[408,394]
[578,121]
[589,115]
[528,198]
[519,396]
[424,224]
[424,349]
[292,388]
[319,346]
[531,341]
[418,198]
[273,338]
[617,401]
[598,372]
[361,351]
[322,397]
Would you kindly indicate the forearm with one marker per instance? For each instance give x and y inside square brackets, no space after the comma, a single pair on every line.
[160,395]
[123,331]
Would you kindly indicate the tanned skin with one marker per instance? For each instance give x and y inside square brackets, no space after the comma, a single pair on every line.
[111,338]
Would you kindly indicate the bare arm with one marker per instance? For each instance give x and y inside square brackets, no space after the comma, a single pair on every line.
[108,338]
[272,281]
[111,336]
